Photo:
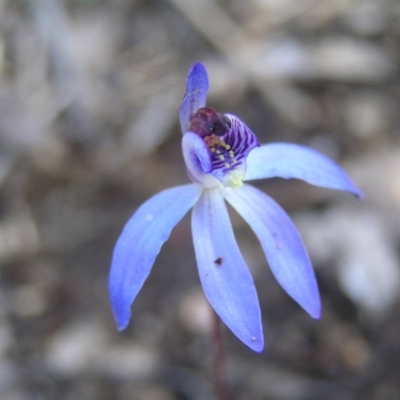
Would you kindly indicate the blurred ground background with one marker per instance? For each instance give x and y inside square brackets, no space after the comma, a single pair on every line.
[89,99]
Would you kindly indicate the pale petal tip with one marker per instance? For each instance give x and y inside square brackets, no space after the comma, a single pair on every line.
[256,344]
[358,194]
[198,68]
[314,309]
[122,319]
[122,327]
[120,311]
[197,80]
[316,314]
[349,186]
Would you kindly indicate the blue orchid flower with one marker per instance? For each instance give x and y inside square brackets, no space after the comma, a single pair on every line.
[220,153]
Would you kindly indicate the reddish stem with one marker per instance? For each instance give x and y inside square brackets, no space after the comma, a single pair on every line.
[220,382]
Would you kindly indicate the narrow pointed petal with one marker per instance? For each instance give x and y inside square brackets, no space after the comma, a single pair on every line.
[196,154]
[287,161]
[141,241]
[281,243]
[195,95]
[197,158]
[224,275]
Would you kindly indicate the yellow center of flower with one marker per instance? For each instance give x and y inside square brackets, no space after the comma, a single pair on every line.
[234,178]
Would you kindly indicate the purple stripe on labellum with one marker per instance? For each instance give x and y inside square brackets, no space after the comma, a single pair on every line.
[229,152]
[228,139]
[240,140]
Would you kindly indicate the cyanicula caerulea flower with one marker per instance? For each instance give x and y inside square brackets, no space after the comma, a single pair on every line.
[220,153]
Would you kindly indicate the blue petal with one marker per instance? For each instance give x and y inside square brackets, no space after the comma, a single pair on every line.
[195,95]
[287,161]
[281,243]
[196,154]
[226,280]
[141,241]
[197,158]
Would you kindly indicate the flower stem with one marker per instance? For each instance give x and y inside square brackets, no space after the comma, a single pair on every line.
[219,372]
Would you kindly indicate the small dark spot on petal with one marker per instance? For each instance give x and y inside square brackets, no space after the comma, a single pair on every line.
[218,261]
